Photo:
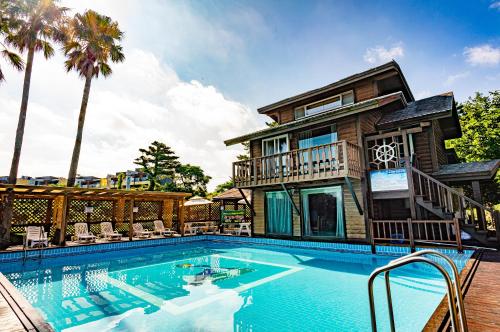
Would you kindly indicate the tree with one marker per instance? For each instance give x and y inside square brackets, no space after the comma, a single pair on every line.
[91,42]
[222,187]
[36,25]
[159,162]
[246,145]
[480,121]
[119,180]
[191,179]
[8,21]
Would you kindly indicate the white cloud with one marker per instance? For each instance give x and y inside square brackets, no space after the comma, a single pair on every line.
[451,79]
[142,101]
[482,55]
[380,54]
[495,5]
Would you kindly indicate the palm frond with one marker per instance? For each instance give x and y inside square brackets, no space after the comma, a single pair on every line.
[14,59]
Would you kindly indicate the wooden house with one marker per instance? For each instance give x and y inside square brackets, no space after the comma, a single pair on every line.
[346,159]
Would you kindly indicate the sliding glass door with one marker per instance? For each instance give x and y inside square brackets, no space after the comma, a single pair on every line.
[278,213]
[323,213]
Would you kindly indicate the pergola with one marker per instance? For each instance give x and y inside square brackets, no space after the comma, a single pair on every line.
[58,208]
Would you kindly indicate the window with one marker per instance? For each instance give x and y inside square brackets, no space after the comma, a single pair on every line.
[318,136]
[278,213]
[327,104]
[323,214]
[275,145]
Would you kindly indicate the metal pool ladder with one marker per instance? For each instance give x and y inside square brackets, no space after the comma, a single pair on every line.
[450,285]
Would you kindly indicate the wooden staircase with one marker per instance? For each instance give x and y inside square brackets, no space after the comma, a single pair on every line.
[479,221]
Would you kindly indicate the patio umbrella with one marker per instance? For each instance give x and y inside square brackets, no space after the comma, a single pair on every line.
[197,200]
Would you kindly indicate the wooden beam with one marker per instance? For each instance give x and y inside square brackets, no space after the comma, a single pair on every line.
[246,201]
[353,194]
[181,216]
[290,199]
[131,220]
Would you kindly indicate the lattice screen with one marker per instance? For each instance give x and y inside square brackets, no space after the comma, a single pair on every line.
[211,212]
[31,212]
[102,211]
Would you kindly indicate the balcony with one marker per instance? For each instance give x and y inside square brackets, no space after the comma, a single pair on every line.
[329,161]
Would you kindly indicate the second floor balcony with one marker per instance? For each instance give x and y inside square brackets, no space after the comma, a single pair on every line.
[335,160]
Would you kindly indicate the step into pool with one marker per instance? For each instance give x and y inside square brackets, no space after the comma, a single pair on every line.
[223,286]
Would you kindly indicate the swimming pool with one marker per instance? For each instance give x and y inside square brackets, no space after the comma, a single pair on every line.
[222,286]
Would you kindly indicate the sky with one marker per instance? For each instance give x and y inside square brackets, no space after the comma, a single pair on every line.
[196,71]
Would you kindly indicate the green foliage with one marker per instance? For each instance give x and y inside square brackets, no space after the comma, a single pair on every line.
[119,181]
[191,179]
[480,122]
[221,188]
[159,163]
[91,42]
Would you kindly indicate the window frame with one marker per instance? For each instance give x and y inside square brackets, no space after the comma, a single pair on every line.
[274,138]
[340,95]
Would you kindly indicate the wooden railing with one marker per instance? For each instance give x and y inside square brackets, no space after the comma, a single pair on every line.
[452,201]
[326,161]
[416,231]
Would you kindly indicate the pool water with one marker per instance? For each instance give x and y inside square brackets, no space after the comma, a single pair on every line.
[223,286]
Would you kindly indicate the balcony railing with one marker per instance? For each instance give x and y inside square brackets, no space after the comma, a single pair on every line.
[334,160]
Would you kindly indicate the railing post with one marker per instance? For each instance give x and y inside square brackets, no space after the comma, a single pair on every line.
[280,167]
[458,234]
[345,158]
[372,236]
[411,189]
[310,167]
[410,234]
[254,162]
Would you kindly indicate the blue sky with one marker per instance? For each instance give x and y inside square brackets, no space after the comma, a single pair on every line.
[196,71]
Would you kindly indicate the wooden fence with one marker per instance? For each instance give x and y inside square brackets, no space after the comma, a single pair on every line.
[416,231]
[58,209]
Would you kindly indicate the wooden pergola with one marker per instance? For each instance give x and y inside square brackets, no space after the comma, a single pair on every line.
[58,208]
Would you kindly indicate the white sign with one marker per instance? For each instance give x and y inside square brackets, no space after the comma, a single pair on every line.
[389,179]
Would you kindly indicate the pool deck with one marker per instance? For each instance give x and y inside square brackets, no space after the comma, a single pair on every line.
[480,283]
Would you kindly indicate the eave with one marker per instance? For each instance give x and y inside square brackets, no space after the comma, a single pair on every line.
[321,117]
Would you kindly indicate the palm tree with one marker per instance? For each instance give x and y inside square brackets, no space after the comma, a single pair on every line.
[92,41]
[8,21]
[36,25]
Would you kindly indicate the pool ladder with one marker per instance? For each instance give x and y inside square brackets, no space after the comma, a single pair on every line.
[451,287]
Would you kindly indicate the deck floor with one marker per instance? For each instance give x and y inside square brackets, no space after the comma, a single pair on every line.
[482,300]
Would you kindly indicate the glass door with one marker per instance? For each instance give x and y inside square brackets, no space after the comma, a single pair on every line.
[270,147]
[323,213]
[278,213]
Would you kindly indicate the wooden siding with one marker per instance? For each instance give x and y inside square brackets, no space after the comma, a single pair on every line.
[346,129]
[368,120]
[439,143]
[258,206]
[364,90]
[422,145]
[355,223]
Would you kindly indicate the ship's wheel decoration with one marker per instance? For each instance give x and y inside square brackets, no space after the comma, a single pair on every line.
[385,153]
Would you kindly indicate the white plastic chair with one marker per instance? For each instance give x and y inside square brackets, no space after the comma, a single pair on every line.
[244,228]
[140,232]
[108,233]
[160,229]
[35,236]
[82,233]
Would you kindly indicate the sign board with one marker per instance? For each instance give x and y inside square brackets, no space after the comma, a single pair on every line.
[232,215]
[389,179]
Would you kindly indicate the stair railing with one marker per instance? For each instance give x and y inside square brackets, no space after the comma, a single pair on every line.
[451,200]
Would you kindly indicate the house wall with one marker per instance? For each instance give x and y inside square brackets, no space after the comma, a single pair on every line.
[439,143]
[355,223]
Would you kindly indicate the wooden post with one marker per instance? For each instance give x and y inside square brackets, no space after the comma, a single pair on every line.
[372,238]
[476,193]
[254,162]
[496,220]
[64,211]
[181,216]
[411,189]
[458,234]
[410,234]
[345,157]
[131,220]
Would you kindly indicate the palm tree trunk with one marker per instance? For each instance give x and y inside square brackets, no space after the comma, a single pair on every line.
[79,133]
[9,202]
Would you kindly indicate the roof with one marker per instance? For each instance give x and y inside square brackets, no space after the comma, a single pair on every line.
[89,193]
[233,194]
[477,170]
[434,106]
[348,80]
[321,117]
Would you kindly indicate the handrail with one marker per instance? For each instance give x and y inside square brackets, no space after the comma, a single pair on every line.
[393,265]
[453,191]
[456,276]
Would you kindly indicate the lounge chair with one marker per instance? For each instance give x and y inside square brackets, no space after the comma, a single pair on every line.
[35,236]
[139,231]
[161,230]
[108,233]
[82,233]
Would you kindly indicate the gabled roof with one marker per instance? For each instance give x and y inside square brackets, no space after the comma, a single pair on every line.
[321,117]
[348,80]
[477,170]
[233,194]
[432,107]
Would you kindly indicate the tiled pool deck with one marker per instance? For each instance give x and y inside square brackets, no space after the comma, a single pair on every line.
[13,315]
